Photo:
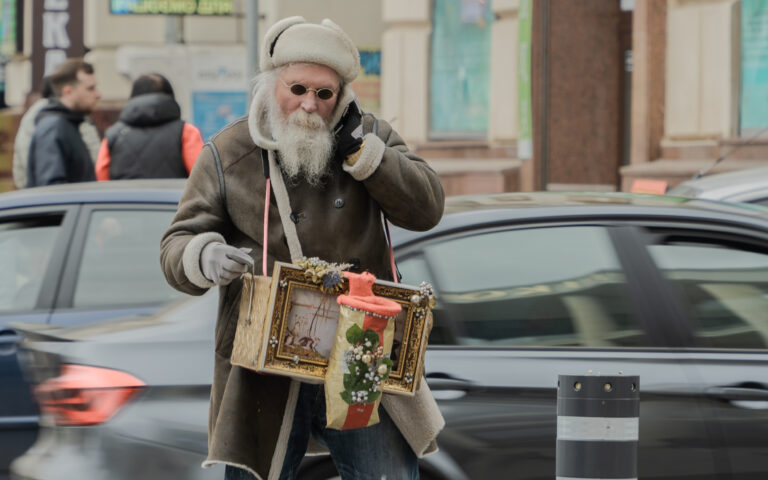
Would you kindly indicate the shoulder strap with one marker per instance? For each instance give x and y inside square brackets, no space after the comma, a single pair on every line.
[284,208]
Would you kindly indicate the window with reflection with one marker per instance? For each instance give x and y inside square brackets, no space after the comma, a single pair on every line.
[121,260]
[25,252]
[558,286]
[726,290]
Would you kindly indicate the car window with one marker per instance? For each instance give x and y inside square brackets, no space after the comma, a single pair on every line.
[25,252]
[725,288]
[545,286]
[121,260]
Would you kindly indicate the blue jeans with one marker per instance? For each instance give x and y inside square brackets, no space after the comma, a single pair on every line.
[378,452]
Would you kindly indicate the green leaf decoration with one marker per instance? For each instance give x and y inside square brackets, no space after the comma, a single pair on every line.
[354,334]
[355,379]
[373,337]
[348,382]
[373,396]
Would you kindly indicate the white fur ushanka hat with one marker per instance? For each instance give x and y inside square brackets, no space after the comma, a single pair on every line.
[293,40]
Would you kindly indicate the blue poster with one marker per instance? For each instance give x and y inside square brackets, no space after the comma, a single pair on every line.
[214,110]
[754,64]
[460,70]
[7,29]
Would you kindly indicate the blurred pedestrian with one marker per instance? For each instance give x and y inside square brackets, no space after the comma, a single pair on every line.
[88,132]
[57,152]
[149,140]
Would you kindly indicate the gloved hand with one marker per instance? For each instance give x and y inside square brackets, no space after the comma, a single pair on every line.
[349,130]
[222,263]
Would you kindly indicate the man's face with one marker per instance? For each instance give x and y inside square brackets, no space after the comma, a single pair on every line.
[299,120]
[83,95]
[314,77]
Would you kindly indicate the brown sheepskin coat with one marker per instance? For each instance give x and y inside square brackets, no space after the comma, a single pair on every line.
[337,222]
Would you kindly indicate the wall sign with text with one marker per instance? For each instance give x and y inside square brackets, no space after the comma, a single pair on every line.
[170,7]
[57,34]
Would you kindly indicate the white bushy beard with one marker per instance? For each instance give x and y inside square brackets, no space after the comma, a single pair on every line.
[306,143]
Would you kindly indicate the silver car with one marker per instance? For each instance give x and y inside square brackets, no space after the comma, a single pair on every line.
[746,186]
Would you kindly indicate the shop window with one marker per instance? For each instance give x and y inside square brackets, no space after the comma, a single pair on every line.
[753,114]
[460,68]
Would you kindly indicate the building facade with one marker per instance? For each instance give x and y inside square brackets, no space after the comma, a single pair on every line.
[498,95]
[700,88]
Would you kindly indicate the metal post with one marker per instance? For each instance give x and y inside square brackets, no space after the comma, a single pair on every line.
[543,79]
[598,419]
[252,42]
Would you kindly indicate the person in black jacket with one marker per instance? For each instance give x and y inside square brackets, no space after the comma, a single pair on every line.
[149,140]
[57,153]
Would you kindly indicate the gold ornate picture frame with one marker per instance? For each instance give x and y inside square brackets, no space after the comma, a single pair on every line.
[301,324]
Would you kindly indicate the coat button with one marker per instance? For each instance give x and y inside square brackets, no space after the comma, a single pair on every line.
[338,203]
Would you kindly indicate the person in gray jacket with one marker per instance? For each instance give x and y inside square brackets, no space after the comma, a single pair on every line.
[57,152]
[88,132]
[335,172]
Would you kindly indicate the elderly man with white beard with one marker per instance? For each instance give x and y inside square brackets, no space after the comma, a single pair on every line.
[305,173]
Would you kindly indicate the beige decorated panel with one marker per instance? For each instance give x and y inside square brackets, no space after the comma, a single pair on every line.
[701,82]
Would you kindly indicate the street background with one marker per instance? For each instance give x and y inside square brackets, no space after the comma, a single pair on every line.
[498,95]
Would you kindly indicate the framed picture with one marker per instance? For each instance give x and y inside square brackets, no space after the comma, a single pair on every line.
[301,325]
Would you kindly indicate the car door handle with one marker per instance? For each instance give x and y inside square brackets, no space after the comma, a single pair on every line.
[443,381]
[9,341]
[736,393]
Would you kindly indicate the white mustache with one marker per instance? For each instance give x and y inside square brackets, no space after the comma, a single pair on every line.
[306,144]
[308,120]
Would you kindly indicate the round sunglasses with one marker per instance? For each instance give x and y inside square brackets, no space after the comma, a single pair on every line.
[299,90]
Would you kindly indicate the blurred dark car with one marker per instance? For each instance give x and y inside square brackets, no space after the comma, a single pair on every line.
[70,255]
[529,286]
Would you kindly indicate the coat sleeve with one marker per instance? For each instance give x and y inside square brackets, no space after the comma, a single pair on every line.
[21,143]
[201,218]
[405,187]
[191,145]
[102,162]
[47,155]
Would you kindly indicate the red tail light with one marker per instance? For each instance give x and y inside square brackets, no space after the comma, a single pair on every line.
[84,395]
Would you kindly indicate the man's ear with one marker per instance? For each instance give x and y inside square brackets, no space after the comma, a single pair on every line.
[66,90]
